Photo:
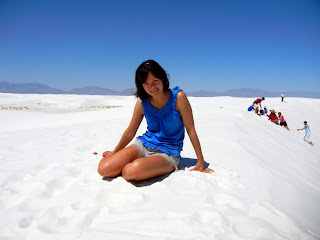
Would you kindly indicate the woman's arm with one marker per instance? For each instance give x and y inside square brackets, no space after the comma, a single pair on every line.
[131,130]
[184,108]
[302,128]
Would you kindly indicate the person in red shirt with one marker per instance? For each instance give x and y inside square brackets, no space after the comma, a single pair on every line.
[273,117]
[258,101]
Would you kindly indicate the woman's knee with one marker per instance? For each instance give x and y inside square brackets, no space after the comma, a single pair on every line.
[112,165]
[131,171]
[105,169]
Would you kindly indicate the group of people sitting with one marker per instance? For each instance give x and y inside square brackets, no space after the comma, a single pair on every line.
[264,112]
[275,119]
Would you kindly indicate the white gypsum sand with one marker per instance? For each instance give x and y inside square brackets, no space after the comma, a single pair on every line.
[266,183]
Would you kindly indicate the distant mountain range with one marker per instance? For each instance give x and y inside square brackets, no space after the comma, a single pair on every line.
[249,92]
[37,88]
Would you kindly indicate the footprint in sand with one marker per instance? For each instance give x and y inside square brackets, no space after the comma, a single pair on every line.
[231,201]
[26,222]
[274,217]
[217,218]
[227,179]
[96,199]
[25,175]
[123,202]
[253,228]
[65,219]
[55,219]
[57,186]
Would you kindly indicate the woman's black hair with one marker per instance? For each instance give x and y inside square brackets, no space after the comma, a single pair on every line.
[142,74]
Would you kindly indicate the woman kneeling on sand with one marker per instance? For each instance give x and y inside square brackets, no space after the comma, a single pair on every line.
[156,152]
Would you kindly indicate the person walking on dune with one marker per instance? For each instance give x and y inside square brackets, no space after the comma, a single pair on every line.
[157,152]
[307,134]
[282,96]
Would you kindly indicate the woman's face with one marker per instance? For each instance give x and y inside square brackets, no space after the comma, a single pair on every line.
[153,86]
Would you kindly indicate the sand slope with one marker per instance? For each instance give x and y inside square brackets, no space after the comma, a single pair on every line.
[266,183]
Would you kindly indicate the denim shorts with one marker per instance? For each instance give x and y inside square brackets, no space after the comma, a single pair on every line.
[147,152]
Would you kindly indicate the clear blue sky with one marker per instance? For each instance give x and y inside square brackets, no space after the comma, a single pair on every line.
[204,45]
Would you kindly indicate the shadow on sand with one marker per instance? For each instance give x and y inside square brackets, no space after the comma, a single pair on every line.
[142,183]
[183,164]
[189,162]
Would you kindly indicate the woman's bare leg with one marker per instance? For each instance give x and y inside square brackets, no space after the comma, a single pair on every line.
[145,168]
[111,166]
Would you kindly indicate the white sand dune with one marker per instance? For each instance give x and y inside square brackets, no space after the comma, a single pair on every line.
[266,183]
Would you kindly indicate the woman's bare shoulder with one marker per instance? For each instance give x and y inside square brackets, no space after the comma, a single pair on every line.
[182,101]
[138,107]
[181,94]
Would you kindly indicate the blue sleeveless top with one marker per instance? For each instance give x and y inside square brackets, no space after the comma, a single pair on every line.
[307,129]
[165,126]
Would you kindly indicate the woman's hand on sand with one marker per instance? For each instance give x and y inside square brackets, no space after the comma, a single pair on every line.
[201,168]
[107,154]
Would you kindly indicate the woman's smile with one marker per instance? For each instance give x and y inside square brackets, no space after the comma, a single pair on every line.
[156,90]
